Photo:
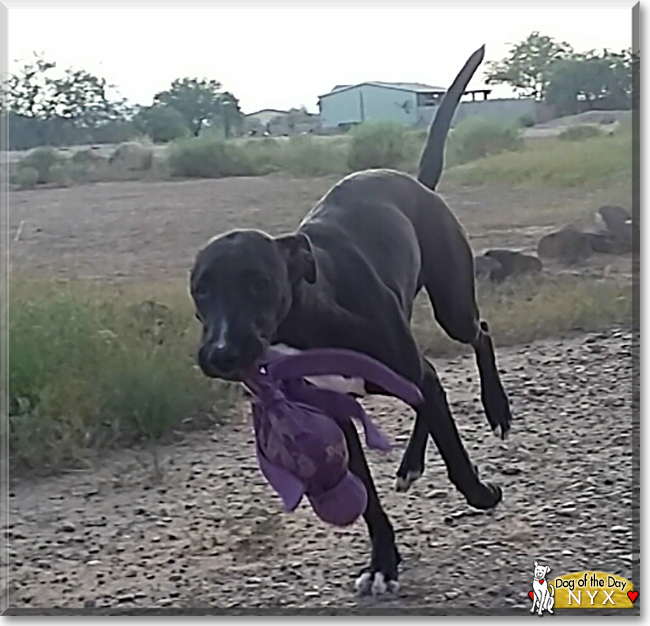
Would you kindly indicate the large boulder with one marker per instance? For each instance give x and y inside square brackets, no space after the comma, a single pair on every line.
[499,264]
[617,222]
[484,267]
[567,245]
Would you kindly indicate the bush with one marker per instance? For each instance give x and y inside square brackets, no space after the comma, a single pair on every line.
[26,177]
[579,133]
[377,145]
[527,120]
[88,157]
[132,156]
[89,373]
[304,155]
[477,137]
[209,157]
[41,159]
[70,172]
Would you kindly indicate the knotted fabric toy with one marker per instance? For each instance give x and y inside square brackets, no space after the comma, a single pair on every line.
[301,450]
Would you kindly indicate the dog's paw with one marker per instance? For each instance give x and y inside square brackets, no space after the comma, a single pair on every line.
[403,483]
[485,496]
[375,583]
[497,410]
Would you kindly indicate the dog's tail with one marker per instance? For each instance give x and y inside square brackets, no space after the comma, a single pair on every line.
[551,591]
[432,159]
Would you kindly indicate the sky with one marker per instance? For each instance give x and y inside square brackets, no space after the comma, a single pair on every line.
[283,57]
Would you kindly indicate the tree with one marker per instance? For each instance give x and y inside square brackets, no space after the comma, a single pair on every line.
[230,114]
[198,101]
[29,92]
[161,122]
[528,66]
[202,103]
[81,97]
[589,81]
[46,106]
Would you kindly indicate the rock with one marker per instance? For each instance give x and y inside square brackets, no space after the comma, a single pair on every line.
[567,245]
[618,222]
[67,527]
[512,263]
[484,266]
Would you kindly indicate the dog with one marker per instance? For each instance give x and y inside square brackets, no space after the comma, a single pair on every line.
[347,278]
[543,592]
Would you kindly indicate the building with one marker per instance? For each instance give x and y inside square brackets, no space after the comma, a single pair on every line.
[278,122]
[412,104]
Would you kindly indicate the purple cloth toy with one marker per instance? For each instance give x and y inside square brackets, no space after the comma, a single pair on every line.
[301,450]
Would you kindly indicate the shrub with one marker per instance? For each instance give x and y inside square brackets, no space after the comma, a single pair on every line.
[527,120]
[376,145]
[83,373]
[26,177]
[304,155]
[68,172]
[41,159]
[579,133]
[88,157]
[209,157]
[132,156]
[477,137]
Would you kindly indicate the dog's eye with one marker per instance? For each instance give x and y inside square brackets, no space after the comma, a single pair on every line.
[200,291]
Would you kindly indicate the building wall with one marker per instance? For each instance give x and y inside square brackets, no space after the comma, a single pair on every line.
[507,109]
[340,108]
[365,103]
[389,104]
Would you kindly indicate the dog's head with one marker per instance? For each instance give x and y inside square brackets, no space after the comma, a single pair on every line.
[242,284]
[541,571]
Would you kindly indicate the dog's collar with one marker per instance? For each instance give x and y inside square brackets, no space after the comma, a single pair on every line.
[540,581]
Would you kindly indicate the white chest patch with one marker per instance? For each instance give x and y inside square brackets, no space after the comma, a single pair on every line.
[335,383]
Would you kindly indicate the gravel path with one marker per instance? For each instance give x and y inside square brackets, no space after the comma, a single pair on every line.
[210,532]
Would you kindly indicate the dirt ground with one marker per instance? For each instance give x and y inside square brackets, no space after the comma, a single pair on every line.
[136,229]
[209,532]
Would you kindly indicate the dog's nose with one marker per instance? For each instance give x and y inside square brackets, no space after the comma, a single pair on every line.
[215,359]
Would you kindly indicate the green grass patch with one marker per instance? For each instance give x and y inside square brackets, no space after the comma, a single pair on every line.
[580,133]
[478,137]
[92,369]
[552,162]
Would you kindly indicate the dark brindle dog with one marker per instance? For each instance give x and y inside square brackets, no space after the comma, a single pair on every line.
[347,278]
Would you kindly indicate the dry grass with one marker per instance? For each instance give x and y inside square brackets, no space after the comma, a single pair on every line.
[525,310]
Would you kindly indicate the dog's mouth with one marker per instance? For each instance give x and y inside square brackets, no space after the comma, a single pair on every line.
[239,370]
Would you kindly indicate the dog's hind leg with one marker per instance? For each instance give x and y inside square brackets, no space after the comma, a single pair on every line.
[448,277]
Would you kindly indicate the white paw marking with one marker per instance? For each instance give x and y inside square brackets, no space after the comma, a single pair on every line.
[404,483]
[363,583]
[376,585]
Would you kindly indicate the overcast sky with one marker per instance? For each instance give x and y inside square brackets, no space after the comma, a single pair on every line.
[285,57]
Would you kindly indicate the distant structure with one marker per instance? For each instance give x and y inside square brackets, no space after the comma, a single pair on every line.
[412,104]
[279,122]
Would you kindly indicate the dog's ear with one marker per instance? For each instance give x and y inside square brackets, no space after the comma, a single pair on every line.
[548,569]
[535,563]
[299,255]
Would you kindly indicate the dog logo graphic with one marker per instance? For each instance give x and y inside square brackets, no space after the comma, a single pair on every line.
[543,594]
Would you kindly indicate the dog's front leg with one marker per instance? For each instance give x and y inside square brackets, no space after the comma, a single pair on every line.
[535,599]
[381,575]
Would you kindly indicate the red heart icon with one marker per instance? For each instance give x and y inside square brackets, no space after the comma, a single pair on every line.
[532,595]
[633,595]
